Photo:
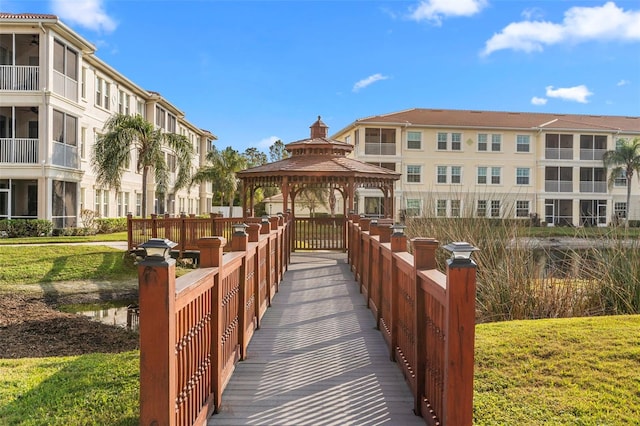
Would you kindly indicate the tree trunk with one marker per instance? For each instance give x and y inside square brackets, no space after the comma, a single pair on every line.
[145,172]
[628,207]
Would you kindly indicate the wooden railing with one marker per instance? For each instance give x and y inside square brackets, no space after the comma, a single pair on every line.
[325,233]
[195,328]
[426,317]
[183,230]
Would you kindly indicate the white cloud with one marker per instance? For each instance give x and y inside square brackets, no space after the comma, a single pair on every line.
[622,83]
[436,10]
[368,81]
[538,101]
[607,22]
[266,142]
[576,93]
[86,13]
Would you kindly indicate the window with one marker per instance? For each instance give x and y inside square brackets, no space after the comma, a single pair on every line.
[413,173]
[65,60]
[138,204]
[121,102]
[441,174]
[171,123]
[522,208]
[83,142]
[495,208]
[63,203]
[414,140]
[65,128]
[621,179]
[83,83]
[456,174]
[105,203]
[106,94]
[481,208]
[522,176]
[482,176]
[620,210]
[98,91]
[496,143]
[123,203]
[482,141]
[523,143]
[442,141]
[171,163]
[495,175]
[558,147]
[456,141]
[441,208]
[455,208]
[388,166]
[98,202]
[413,207]
[160,117]
[379,141]
[140,109]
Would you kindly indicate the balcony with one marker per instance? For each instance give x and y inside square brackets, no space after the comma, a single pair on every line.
[592,154]
[19,151]
[558,186]
[598,187]
[65,155]
[380,148]
[558,153]
[19,77]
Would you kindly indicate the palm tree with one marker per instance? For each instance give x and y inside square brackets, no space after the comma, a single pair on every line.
[625,160]
[221,172]
[124,134]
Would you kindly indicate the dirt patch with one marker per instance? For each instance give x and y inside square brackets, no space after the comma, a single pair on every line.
[32,327]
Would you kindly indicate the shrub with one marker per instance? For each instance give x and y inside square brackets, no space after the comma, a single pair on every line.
[89,217]
[111,225]
[66,232]
[17,228]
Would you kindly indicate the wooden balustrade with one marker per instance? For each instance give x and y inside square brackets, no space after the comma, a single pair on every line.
[426,317]
[195,328]
[184,230]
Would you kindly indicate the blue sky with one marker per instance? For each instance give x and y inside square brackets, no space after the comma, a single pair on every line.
[256,71]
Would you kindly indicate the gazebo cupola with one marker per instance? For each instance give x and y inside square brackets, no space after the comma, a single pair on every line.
[319,143]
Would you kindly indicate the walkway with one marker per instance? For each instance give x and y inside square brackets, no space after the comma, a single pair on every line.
[317,358]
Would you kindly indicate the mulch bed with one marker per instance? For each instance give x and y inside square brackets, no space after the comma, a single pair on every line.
[31,328]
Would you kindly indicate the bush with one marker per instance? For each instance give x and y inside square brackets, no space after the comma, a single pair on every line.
[111,225]
[66,232]
[17,228]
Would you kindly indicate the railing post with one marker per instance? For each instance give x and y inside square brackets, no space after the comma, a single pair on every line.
[129,231]
[424,257]
[211,250]
[459,349]
[239,242]
[154,225]
[157,289]
[183,234]
[254,234]
[398,244]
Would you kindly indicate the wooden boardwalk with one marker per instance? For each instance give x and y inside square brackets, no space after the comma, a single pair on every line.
[317,358]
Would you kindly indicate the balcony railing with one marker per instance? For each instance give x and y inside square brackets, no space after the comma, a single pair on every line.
[19,77]
[592,154]
[380,148]
[20,150]
[558,186]
[600,187]
[558,153]
[65,155]
[65,86]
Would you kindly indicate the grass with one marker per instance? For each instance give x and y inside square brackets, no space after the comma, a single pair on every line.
[45,264]
[116,236]
[578,371]
[95,389]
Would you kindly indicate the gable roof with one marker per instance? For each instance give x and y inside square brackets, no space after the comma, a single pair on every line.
[422,117]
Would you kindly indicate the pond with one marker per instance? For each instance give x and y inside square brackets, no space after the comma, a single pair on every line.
[121,313]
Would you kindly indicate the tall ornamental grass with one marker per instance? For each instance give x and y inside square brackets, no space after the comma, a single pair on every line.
[520,278]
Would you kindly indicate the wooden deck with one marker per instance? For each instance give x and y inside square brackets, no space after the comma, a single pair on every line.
[317,358]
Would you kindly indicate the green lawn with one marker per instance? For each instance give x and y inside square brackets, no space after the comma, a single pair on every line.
[579,371]
[116,236]
[45,264]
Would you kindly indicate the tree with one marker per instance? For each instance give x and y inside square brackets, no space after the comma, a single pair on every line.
[277,151]
[625,161]
[254,157]
[124,134]
[221,172]
[312,197]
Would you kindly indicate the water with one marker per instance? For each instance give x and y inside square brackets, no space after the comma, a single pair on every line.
[120,316]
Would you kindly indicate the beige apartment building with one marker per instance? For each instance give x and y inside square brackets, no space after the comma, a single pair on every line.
[497,164]
[55,97]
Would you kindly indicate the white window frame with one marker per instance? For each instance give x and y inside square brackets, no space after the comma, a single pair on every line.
[523,208]
[523,141]
[483,142]
[482,206]
[439,175]
[411,137]
[496,139]
[458,175]
[496,172]
[441,208]
[411,171]
[523,173]
[492,209]
[456,141]
[413,206]
[484,175]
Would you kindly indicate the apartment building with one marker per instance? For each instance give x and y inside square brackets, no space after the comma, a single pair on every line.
[55,97]
[497,164]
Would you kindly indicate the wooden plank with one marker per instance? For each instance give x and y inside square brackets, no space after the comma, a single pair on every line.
[317,358]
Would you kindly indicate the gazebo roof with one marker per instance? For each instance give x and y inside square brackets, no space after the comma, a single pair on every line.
[321,159]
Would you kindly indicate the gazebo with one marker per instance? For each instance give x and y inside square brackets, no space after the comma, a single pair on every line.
[318,162]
